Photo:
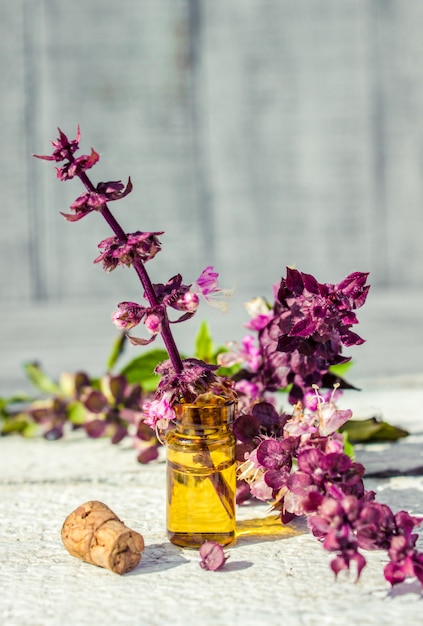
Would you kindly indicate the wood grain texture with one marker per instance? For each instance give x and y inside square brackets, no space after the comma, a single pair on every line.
[257,133]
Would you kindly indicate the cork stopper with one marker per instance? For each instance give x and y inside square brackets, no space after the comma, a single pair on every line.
[95,534]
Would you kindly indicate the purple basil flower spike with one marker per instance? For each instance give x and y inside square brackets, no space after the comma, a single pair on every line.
[63,148]
[135,249]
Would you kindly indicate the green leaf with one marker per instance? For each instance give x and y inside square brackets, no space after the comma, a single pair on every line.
[16,399]
[116,351]
[340,369]
[372,430]
[16,424]
[76,413]
[21,423]
[228,371]
[31,430]
[204,349]
[38,378]
[141,369]
[348,446]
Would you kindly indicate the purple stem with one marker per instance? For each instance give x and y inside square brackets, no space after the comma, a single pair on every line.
[139,267]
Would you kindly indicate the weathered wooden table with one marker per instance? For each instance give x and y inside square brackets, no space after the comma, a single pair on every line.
[268,579]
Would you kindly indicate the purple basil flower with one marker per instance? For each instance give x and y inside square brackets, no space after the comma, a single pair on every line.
[274,454]
[376,526]
[247,353]
[153,322]
[212,556]
[128,315]
[207,285]
[180,379]
[110,409]
[137,245]
[51,415]
[322,472]
[303,336]
[187,301]
[334,523]
[261,313]
[115,190]
[263,421]
[348,555]
[172,294]
[96,200]
[63,148]
[406,561]
[78,166]
[195,379]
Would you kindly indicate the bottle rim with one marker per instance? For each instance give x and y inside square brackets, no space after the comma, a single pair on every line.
[205,415]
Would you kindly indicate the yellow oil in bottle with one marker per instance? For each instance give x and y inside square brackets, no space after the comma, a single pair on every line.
[201,475]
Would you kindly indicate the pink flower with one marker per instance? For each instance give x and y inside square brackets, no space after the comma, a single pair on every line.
[260,313]
[158,413]
[331,418]
[311,398]
[188,301]
[261,490]
[207,285]
[251,390]
[153,323]
[128,315]
[207,281]
[247,353]
[304,425]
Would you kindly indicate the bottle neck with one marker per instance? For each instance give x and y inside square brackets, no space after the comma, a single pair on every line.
[205,418]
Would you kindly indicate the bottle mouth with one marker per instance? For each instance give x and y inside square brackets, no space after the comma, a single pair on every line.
[208,411]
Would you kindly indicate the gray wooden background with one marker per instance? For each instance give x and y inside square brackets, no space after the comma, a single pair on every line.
[257,133]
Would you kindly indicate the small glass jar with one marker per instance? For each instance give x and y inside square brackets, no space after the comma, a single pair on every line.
[201,473]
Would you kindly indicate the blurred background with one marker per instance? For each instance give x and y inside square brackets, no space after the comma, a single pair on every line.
[257,134]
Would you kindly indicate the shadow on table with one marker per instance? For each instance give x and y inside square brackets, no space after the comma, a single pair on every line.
[158,557]
[402,589]
[162,556]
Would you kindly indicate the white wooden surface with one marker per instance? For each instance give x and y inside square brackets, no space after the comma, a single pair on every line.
[267,580]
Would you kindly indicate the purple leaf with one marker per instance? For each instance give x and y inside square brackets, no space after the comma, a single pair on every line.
[150,453]
[310,283]
[304,328]
[272,454]
[294,281]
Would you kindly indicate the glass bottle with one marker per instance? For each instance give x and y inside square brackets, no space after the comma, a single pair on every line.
[201,473]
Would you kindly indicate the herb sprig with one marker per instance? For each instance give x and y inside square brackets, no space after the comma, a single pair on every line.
[295,459]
